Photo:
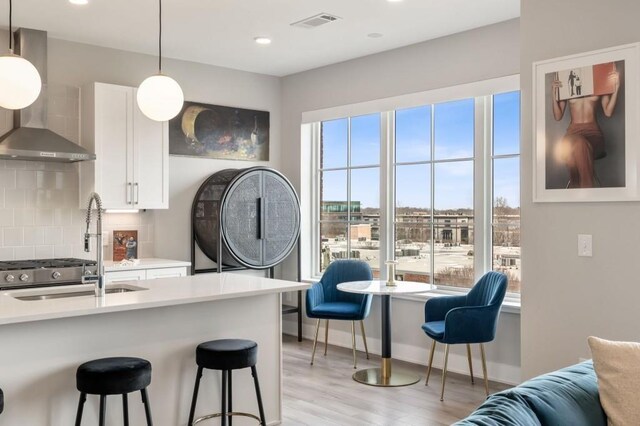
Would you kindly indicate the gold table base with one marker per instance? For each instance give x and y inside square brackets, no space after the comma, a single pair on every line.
[384,377]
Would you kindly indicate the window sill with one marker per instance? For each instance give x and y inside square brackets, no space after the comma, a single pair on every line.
[511,304]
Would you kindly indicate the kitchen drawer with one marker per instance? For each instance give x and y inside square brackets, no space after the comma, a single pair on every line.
[119,276]
[152,274]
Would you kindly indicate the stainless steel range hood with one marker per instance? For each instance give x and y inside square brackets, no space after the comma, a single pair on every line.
[30,139]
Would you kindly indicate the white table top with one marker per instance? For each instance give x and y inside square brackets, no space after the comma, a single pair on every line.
[380,287]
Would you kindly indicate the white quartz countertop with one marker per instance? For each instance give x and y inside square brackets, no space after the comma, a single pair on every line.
[157,293]
[151,263]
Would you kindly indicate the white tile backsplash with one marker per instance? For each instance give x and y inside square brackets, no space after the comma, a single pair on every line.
[13,237]
[15,198]
[6,217]
[40,218]
[25,179]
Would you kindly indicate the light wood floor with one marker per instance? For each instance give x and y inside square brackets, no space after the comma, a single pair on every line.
[325,394]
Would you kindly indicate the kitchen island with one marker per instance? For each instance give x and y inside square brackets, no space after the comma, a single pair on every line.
[163,320]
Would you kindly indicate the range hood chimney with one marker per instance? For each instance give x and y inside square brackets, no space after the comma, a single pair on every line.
[30,139]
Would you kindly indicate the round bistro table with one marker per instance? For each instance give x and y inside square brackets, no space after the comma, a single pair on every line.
[384,376]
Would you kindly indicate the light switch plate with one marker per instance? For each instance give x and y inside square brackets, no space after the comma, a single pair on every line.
[585,245]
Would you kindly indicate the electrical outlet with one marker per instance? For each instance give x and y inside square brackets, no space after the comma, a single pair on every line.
[585,245]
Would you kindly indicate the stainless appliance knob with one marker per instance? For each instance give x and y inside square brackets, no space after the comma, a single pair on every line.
[9,278]
[24,277]
[55,275]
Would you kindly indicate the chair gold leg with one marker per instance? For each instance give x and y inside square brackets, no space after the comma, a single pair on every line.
[484,369]
[315,341]
[444,370]
[353,343]
[433,350]
[364,339]
[470,364]
[326,336]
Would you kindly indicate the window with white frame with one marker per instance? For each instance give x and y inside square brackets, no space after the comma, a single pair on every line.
[433,186]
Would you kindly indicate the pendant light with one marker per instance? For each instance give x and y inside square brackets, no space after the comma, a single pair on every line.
[20,82]
[160,97]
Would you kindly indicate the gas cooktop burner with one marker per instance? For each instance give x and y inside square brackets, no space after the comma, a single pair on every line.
[12,265]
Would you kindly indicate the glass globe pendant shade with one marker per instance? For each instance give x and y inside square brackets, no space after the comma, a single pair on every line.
[20,82]
[160,97]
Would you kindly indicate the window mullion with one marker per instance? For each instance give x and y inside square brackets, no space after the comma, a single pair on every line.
[316,191]
[485,206]
[432,171]
[349,188]
[387,190]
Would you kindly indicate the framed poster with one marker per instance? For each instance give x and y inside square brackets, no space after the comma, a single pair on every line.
[585,121]
[125,245]
[214,131]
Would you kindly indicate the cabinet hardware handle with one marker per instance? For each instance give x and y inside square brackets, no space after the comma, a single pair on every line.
[261,218]
[137,197]
[129,193]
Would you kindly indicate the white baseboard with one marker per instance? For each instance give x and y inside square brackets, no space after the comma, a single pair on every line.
[497,372]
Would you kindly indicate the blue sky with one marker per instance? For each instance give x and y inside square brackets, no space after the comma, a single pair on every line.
[454,129]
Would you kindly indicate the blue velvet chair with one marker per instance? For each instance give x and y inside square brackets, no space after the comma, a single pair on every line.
[326,302]
[468,319]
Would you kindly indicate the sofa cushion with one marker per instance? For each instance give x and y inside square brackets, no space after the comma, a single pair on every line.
[565,397]
[617,365]
[502,410]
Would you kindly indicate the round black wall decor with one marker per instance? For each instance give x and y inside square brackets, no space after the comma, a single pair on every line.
[254,213]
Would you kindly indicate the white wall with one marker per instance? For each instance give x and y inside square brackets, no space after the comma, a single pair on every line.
[566,298]
[162,233]
[475,55]
[78,64]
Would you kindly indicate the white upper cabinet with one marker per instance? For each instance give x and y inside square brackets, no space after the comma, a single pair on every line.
[131,170]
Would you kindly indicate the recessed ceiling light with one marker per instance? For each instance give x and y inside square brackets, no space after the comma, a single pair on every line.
[79,1]
[374,35]
[394,1]
[263,40]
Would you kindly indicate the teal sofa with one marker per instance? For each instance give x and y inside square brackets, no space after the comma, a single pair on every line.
[567,397]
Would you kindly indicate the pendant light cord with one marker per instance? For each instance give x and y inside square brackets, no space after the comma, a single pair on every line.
[159,37]
[10,26]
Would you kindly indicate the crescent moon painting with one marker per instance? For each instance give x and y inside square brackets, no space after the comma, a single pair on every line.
[214,131]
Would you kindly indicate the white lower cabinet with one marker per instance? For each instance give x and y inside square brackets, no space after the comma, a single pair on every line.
[119,276]
[144,274]
[152,274]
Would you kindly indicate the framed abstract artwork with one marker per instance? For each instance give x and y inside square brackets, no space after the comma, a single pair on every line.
[585,121]
[213,131]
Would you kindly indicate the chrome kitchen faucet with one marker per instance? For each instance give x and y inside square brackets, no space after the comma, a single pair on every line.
[98,278]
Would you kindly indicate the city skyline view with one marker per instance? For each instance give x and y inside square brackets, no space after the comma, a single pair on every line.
[434,191]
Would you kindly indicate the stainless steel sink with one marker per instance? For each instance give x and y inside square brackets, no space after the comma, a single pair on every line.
[62,294]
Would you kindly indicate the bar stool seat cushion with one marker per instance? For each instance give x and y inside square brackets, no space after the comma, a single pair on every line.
[227,354]
[113,376]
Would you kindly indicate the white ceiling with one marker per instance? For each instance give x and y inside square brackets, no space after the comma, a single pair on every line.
[221,32]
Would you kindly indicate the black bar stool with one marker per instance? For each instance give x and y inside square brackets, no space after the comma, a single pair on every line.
[114,376]
[227,355]
[1,401]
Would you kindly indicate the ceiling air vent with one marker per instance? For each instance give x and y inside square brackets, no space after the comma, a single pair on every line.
[315,21]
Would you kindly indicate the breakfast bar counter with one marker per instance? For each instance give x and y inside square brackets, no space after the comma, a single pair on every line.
[44,337]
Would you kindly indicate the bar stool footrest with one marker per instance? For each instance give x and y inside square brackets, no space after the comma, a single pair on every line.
[233,413]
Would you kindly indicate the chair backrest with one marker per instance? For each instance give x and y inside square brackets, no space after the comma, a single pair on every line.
[489,290]
[342,271]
